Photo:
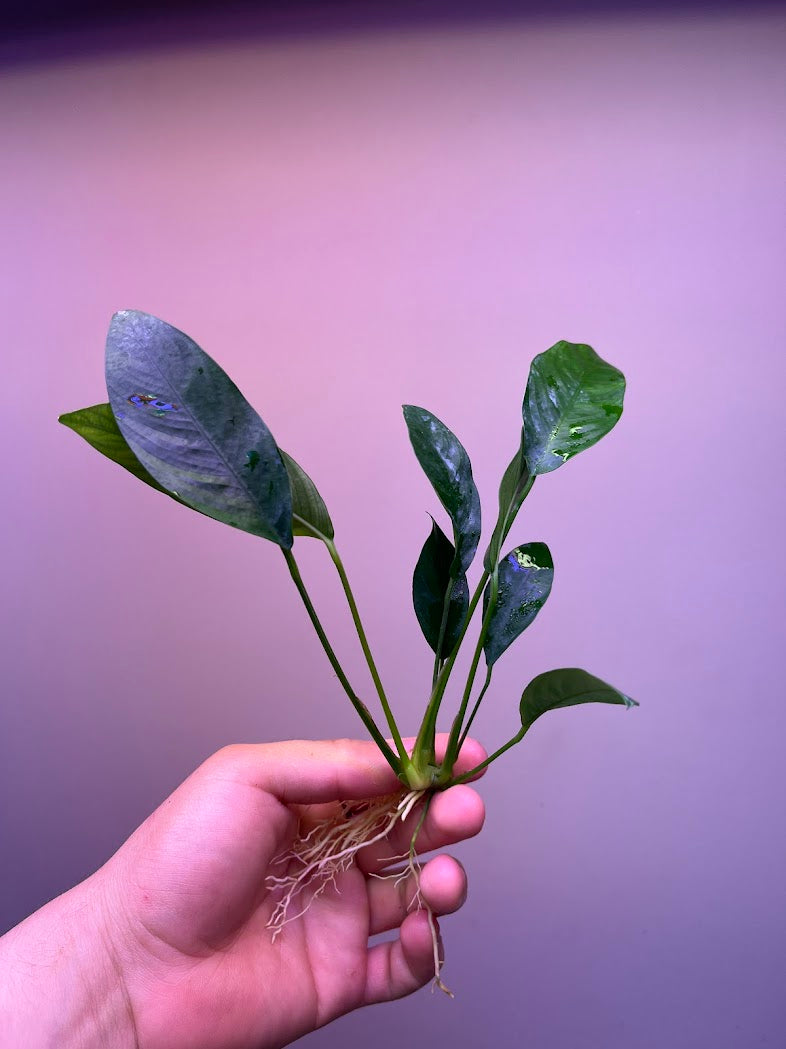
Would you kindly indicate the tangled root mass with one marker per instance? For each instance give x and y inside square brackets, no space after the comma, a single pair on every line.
[330,847]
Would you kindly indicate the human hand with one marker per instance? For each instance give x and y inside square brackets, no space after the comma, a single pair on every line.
[180,912]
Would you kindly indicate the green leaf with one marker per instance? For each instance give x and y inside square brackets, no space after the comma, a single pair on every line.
[525,578]
[447,466]
[191,428]
[431,583]
[309,512]
[573,398]
[99,428]
[513,490]
[566,688]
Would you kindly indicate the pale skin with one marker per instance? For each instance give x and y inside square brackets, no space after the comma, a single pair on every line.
[166,946]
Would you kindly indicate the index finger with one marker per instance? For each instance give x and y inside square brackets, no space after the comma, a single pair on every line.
[306,772]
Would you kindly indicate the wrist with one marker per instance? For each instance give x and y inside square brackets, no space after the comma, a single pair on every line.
[61,987]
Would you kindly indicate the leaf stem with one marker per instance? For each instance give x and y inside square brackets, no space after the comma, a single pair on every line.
[493,757]
[423,751]
[455,731]
[353,608]
[443,625]
[358,704]
[475,709]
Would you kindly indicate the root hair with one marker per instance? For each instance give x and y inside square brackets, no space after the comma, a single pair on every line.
[330,847]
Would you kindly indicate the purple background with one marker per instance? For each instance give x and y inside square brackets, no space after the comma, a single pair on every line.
[349,219]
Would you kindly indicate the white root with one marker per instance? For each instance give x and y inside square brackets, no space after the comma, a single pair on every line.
[330,847]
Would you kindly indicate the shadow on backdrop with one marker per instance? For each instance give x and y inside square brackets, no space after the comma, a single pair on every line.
[39,31]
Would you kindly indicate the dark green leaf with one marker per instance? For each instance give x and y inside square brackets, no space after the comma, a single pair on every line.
[192,429]
[573,398]
[99,428]
[447,466]
[513,489]
[430,585]
[566,688]
[525,578]
[308,506]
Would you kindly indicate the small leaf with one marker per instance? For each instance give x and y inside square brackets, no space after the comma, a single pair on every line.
[573,398]
[525,578]
[99,428]
[307,504]
[191,428]
[447,466]
[566,688]
[513,489]
[430,584]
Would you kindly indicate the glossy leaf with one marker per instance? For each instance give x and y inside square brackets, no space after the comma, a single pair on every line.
[308,506]
[99,428]
[513,489]
[525,578]
[430,584]
[573,398]
[566,688]
[447,466]
[191,428]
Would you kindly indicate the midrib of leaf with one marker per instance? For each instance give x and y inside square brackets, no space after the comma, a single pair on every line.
[568,405]
[314,531]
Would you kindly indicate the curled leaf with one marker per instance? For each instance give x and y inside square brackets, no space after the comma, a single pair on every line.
[309,513]
[431,582]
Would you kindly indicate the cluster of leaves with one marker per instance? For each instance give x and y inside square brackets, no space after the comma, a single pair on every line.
[177,422]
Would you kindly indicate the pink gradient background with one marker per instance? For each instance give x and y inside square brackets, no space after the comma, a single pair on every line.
[347,221]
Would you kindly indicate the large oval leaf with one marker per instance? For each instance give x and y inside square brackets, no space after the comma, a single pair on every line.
[447,466]
[573,398]
[525,578]
[566,688]
[192,429]
[431,584]
[99,428]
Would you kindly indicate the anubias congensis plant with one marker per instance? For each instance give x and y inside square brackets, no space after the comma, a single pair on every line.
[177,422]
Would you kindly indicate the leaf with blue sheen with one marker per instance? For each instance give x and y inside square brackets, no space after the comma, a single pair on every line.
[567,687]
[447,466]
[431,583]
[573,398]
[98,426]
[192,430]
[524,578]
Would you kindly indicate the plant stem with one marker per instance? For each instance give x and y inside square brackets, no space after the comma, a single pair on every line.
[484,764]
[358,704]
[455,730]
[353,608]
[475,709]
[443,625]
[423,752]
